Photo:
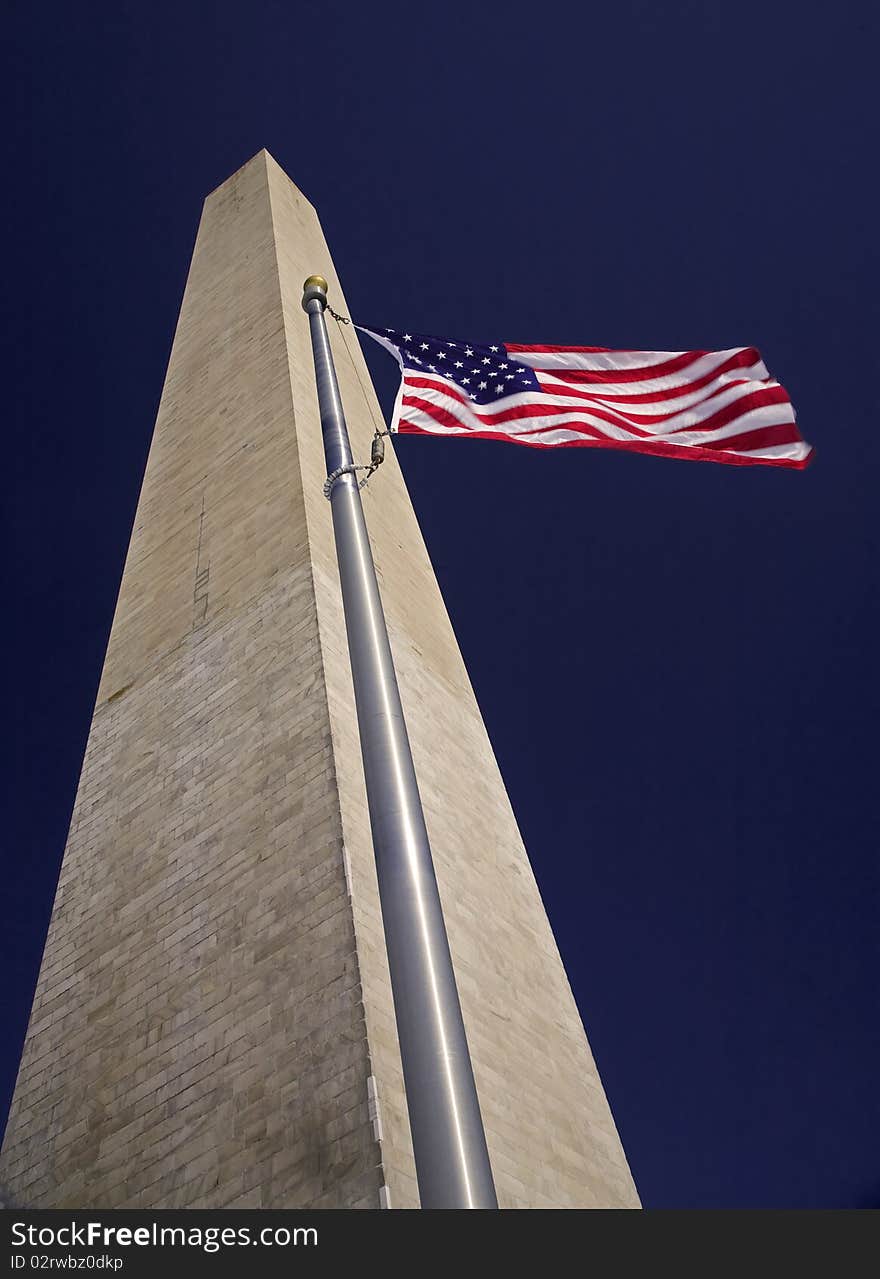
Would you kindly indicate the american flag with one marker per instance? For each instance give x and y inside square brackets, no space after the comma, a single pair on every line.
[710,406]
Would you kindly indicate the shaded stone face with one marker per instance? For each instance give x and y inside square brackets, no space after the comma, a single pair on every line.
[213,1025]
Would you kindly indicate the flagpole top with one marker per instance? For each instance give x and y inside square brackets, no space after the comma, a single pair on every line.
[315,289]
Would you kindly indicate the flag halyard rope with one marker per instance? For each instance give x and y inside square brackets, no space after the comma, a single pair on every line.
[378,450]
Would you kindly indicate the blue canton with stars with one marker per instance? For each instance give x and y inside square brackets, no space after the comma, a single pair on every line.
[484,373]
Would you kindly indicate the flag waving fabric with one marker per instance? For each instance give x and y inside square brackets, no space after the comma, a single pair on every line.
[710,406]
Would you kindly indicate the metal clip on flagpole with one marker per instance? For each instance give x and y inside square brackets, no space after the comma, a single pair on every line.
[452,1161]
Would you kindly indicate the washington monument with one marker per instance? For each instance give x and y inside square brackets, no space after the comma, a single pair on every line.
[213,1025]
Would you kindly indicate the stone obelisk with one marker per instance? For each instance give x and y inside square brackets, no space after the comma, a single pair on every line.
[213,1024]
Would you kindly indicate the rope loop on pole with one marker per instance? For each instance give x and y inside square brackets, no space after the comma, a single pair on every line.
[338,473]
[340,319]
[377,457]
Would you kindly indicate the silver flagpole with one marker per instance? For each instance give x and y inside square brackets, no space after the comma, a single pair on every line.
[452,1162]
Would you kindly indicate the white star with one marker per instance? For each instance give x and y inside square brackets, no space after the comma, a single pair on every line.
[407,337]
[433,368]
[415,359]
[458,364]
[476,370]
[500,387]
[485,360]
[465,381]
[493,348]
[441,355]
[502,366]
[424,346]
[468,351]
[483,385]
[450,344]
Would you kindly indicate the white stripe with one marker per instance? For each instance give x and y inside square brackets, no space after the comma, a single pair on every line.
[559,437]
[655,408]
[797,451]
[438,394]
[596,361]
[630,360]
[398,405]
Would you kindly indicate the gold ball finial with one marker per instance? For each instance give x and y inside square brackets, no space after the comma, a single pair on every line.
[314,290]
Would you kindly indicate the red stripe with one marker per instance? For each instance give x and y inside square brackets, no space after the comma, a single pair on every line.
[437,384]
[653,397]
[656,448]
[445,418]
[759,437]
[742,360]
[649,397]
[762,437]
[513,347]
[756,400]
[531,348]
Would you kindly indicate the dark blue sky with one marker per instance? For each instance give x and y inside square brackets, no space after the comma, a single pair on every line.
[676,661]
